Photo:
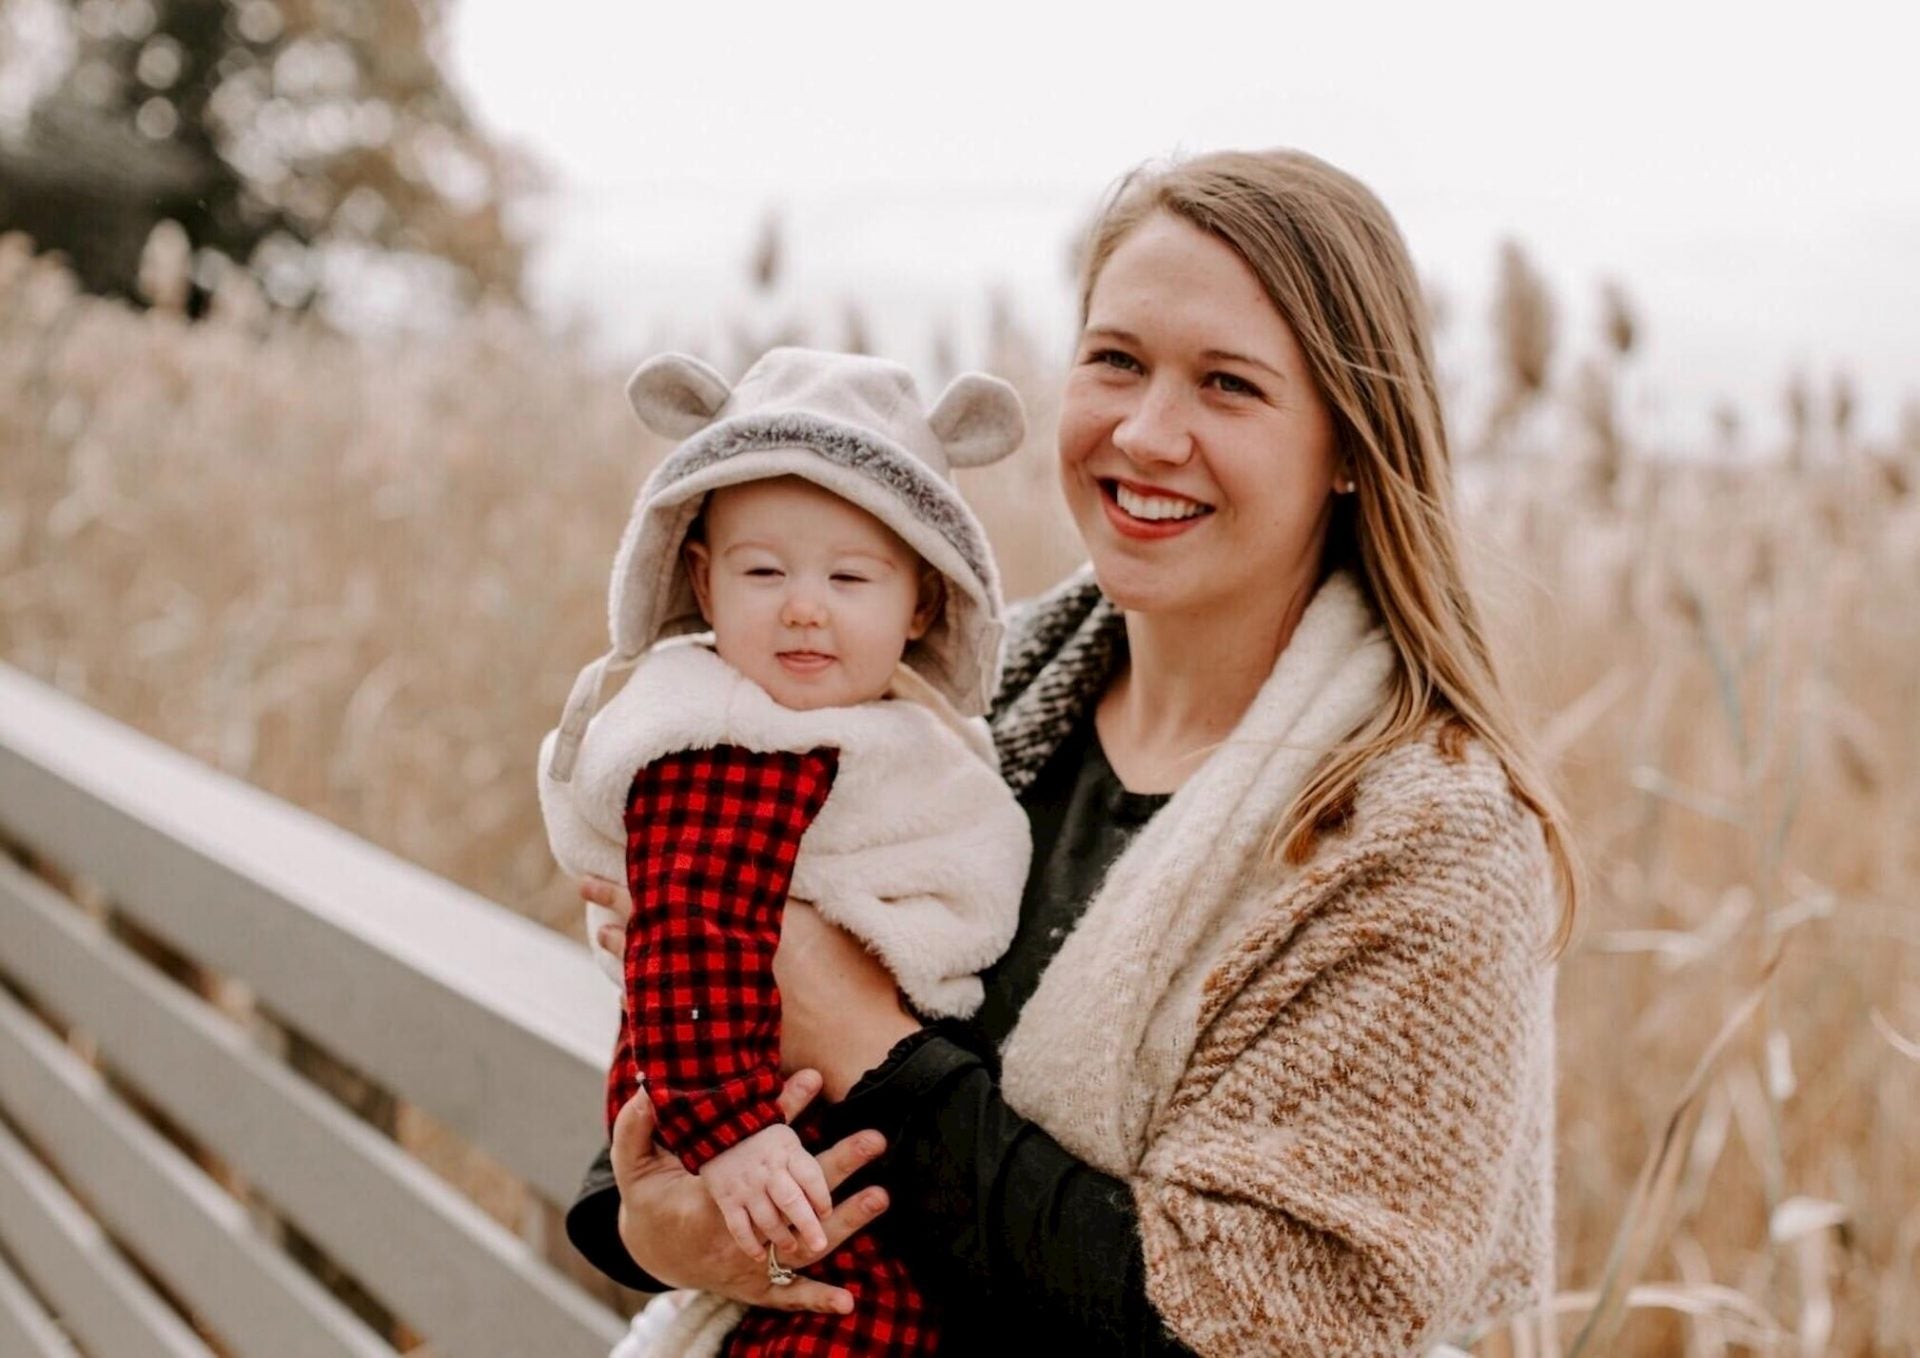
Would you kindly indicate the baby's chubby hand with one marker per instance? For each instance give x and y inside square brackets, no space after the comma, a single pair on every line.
[766,1183]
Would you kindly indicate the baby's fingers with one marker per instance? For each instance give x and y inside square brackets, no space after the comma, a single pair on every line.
[813,1182]
[766,1218]
[792,1201]
[740,1227]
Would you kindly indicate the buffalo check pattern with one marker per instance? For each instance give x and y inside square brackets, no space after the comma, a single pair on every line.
[712,836]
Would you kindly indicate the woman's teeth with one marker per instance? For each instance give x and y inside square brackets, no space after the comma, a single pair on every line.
[1156,506]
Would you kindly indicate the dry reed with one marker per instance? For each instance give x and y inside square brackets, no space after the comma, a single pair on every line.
[362,577]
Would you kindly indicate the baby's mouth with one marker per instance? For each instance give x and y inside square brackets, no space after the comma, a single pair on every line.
[804,662]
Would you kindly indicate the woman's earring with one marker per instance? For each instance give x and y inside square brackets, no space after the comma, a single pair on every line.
[1346,487]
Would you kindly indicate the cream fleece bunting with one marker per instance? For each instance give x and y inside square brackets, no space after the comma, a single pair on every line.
[920,850]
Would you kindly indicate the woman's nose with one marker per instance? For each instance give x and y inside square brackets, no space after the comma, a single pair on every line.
[1156,429]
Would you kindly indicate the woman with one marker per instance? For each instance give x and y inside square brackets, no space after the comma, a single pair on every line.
[1268,1068]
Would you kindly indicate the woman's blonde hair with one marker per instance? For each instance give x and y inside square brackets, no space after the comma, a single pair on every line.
[1333,264]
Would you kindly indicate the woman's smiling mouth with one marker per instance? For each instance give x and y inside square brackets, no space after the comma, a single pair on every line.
[1142,513]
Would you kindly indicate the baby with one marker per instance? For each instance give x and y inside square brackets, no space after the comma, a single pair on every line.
[824,742]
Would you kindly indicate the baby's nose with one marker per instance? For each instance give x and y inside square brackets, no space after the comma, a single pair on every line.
[803,609]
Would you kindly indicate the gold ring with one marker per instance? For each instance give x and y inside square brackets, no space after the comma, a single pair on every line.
[778,1273]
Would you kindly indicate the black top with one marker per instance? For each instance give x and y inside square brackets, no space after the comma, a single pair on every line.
[1023,1244]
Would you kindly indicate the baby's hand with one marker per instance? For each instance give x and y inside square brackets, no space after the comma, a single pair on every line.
[766,1182]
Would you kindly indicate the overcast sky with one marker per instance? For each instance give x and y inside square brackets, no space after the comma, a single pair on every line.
[1751,175]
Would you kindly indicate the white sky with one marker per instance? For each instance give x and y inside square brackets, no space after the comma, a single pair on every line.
[1750,172]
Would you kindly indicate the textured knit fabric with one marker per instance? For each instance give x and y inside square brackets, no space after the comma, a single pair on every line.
[1082,818]
[712,838]
[1330,1087]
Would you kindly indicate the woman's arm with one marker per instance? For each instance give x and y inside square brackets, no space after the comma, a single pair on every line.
[987,1196]
[979,1192]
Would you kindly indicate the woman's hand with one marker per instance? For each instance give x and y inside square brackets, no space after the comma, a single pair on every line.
[840,1011]
[608,896]
[673,1230]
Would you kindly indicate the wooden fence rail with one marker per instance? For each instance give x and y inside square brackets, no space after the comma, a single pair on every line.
[157,1149]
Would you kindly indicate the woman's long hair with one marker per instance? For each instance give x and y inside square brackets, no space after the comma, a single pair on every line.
[1333,264]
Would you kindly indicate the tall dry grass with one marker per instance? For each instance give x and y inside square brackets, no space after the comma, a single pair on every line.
[362,577]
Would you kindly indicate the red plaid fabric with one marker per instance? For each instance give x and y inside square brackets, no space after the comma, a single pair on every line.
[712,836]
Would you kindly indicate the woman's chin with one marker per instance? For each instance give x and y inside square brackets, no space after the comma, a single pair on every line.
[1136,587]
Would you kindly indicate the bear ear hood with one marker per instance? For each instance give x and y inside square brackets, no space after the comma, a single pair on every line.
[676,395]
[978,420]
[851,424]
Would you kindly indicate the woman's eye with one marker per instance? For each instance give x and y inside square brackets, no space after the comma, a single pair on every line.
[1114,358]
[1235,386]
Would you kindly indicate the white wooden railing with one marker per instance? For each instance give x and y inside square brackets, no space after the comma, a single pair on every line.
[156,1143]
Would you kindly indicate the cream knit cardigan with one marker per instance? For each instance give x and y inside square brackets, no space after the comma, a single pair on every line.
[1330,1087]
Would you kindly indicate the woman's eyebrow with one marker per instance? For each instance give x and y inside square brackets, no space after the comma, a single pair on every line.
[1229,356]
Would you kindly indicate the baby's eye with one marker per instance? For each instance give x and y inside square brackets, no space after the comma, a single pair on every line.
[1234,386]
[848,578]
[764,572]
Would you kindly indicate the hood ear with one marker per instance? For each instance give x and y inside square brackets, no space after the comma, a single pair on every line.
[676,395]
[978,420]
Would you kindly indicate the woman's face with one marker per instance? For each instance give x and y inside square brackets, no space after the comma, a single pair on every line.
[1196,454]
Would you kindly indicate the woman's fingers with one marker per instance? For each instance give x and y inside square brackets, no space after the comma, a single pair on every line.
[806,1294]
[846,1157]
[603,892]
[632,1140]
[797,1093]
[856,1213]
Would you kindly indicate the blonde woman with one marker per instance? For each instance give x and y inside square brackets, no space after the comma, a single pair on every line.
[1269,1066]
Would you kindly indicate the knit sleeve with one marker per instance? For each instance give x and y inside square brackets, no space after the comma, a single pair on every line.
[712,836]
[1358,1159]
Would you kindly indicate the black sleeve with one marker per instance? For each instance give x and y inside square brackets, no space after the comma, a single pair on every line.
[593,1225]
[1013,1216]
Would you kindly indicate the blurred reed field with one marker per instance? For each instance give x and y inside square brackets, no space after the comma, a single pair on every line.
[362,576]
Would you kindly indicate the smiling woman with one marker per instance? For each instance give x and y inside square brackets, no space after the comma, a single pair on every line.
[1223,459]
[1268,1065]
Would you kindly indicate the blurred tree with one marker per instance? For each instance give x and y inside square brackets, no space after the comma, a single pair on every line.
[281,134]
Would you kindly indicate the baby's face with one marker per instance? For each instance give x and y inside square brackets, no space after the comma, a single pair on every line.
[809,596]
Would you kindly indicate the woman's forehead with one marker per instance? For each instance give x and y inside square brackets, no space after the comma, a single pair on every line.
[1169,280]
